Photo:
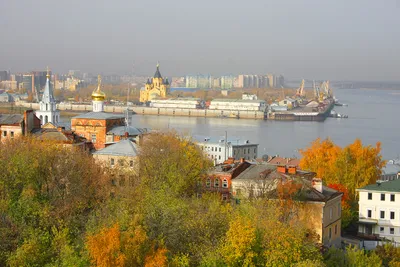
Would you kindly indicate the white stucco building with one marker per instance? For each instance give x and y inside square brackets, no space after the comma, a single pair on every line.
[238,104]
[47,107]
[379,210]
[218,150]
[180,102]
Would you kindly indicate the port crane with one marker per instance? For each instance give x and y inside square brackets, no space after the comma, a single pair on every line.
[300,91]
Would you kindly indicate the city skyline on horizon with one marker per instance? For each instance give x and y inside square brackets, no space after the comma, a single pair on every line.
[337,41]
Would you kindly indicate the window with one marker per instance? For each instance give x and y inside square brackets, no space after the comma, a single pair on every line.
[336,229]
[392,231]
[5,133]
[219,149]
[330,213]
[330,233]
[219,157]
[248,150]
[369,213]
[369,196]
[131,163]
[12,134]
[93,138]
[382,197]
[224,197]
[216,182]
[212,149]
[254,150]
[392,198]
[382,214]
[234,152]
[381,229]
[112,162]
[225,183]
[208,182]
[392,215]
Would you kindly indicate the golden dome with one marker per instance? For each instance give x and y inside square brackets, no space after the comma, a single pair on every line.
[97,94]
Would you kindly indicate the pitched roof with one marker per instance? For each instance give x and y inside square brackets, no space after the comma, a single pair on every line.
[11,119]
[284,161]
[99,116]
[389,186]
[121,130]
[270,176]
[122,148]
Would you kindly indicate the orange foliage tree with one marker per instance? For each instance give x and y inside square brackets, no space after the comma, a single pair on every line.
[156,258]
[353,166]
[105,247]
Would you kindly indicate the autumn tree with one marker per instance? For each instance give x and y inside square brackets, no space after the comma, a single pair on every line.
[45,188]
[352,167]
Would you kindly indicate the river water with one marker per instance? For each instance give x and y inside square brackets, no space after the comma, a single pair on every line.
[373,116]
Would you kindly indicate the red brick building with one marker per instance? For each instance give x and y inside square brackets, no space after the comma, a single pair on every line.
[220,178]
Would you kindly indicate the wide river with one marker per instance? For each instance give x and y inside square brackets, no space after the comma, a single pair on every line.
[374,115]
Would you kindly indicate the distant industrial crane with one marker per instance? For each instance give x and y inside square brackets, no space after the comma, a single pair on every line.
[300,91]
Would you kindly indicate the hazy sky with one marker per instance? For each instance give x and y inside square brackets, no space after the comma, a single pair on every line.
[332,39]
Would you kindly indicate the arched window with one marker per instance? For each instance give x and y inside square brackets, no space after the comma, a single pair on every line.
[216,182]
[46,119]
[208,182]
[47,107]
[41,118]
[225,183]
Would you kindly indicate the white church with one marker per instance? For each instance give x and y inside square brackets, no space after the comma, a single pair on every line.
[48,111]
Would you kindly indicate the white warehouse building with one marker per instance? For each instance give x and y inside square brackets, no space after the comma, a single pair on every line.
[218,150]
[379,211]
[238,104]
[180,102]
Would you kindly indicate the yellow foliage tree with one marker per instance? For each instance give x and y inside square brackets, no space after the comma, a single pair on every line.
[238,248]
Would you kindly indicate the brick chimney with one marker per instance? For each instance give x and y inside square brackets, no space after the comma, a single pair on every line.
[281,168]
[317,184]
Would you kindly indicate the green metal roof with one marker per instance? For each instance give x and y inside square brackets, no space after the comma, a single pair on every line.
[389,186]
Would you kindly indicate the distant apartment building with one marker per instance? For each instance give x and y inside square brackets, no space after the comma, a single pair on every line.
[219,150]
[199,81]
[10,85]
[238,104]
[4,75]
[73,84]
[216,83]
[379,211]
[29,83]
[227,82]
[271,80]
[252,81]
